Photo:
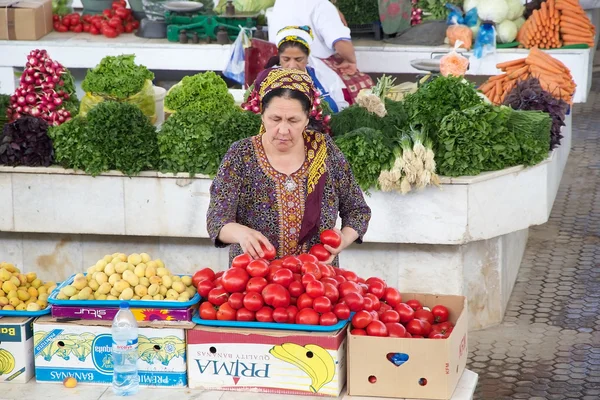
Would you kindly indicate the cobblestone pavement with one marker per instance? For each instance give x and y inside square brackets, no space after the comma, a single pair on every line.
[548,346]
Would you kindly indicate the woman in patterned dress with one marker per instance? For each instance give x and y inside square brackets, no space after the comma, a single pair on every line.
[281,188]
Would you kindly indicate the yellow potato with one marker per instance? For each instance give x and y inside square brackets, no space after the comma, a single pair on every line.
[3,301]
[141,290]
[153,290]
[131,278]
[187,280]
[152,264]
[121,267]
[80,283]
[176,278]
[91,270]
[11,294]
[167,281]
[101,277]
[179,287]
[76,297]
[41,289]
[107,258]
[43,297]
[33,307]
[191,291]
[111,297]
[85,293]
[159,263]
[8,308]
[163,290]
[145,281]
[33,292]
[68,290]
[114,292]
[134,259]
[22,279]
[150,271]
[158,297]
[5,274]
[127,294]
[94,285]
[104,288]
[15,281]
[21,307]
[172,294]
[145,257]
[140,270]
[31,276]
[61,296]
[109,269]
[101,297]
[114,278]
[8,287]
[162,272]
[146,297]
[14,301]
[37,283]
[184,297]
[42,304]
[23,295]
[2,294]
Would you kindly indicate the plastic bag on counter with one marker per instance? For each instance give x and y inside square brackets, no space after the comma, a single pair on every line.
[235,68]
[486,40]
[62,7]
[144,99]
[462,33]
[457,17]
[453,63]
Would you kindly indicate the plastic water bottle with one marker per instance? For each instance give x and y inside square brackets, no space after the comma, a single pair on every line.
[126,381]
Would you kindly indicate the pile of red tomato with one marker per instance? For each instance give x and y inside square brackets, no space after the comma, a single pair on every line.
[403,320]
[111,23]
[304,290]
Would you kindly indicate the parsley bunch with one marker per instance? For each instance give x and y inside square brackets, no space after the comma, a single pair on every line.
[116,77]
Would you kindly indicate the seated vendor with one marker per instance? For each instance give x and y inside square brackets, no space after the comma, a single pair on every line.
[293,45]
[281,188]
[332,54]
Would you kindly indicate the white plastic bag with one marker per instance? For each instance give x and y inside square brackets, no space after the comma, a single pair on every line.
[236,64]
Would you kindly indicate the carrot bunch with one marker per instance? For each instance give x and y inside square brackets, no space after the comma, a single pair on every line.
[557,23]
[554,77]
[542,28]
[575,26]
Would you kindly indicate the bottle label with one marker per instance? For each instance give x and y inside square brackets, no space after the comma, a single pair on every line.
[129,345]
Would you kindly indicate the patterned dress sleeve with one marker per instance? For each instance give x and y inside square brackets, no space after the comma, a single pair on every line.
[353,208]
[224,193]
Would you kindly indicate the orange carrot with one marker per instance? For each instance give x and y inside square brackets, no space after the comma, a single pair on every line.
[575,38]
[574,31]
[574,20]
[518,72]
[497,78]
[506,64]
[486,86]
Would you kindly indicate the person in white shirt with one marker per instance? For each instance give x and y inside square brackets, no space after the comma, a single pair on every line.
[332,54]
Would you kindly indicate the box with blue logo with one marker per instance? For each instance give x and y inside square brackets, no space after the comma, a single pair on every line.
[82,349]
[16,349]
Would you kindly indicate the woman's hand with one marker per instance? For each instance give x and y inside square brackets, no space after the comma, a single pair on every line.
[348,236]
[347,68]
[249,239]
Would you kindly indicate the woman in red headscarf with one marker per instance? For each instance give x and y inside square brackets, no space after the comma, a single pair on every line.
[281,188]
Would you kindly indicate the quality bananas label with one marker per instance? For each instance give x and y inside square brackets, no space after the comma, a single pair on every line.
[315,361]
[7,362]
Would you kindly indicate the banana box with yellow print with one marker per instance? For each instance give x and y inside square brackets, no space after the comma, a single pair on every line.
[82,349]
[16,349]
[269,361]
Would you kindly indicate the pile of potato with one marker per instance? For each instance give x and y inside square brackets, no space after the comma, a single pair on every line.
[133,277]
[22,292]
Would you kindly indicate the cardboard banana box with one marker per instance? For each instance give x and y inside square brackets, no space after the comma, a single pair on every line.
[16,349]
[82,349]
[270,361]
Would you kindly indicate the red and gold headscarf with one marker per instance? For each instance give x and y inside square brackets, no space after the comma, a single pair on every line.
[314,142]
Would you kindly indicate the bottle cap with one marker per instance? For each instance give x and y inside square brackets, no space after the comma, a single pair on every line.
[124,304]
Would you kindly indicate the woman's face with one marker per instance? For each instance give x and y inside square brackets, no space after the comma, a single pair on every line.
[284,121]
[293,58]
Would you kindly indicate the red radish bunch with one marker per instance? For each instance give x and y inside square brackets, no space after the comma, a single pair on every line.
[397,319]
[42,90]
[416,16]
[111,23]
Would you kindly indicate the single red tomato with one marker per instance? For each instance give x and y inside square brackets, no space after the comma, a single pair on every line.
[307,316]
[218,296]
[330,281]
[304,258]
[322,305]
[319,251]
[358,332]
[326,271]
[243,314]
[236,300]
[375,300]
[256,284]
[280,315]
[208,311]
[265,314]
[315,289]
[348,287]
[330,238]
[204,287]
[418,327]
[277,263]
[361,319]
[368,304]
[375,315]
[115,22]
[269,254]
[377,328]
[440,328]
[110,32]
[276,295]
[122,13]
[258,268]
[94,30]
[311,268]
[350,276]
[219,274]
[390,316]
[339,279]
[392,297]
[328,319]
[405,312]
[226,313]
[284,277]
[440,313]
[235,280]
[446,326]
[414,304]
[304,301]
[375,279]
[203,274]
[296,289]
[341,311]
[355,301]
[241,261]
[377,288]
[383,308]
[292,263]
[292,311]
[307,278]
[424,315]
[253,301]
[396,329]
[272,270]
[218,282]
[331,292]
[76,28]
[437,335]
[136,24]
